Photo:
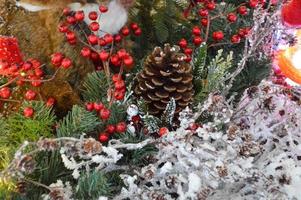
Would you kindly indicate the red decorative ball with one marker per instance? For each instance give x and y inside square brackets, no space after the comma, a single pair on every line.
[183,43]
[163,131]
[121,127]
[79,15]
[242,10]
[110,129]
[93,15]
[103,55]
[231,17]
[28,112]
[196,31]
[235,39]
[50,102]
[103,137]
[5,93]
[93,39]
[30,95]
[218,35]
[203,12]
[94,26]
[89,106]
[197,41]
[103,9]
[105,114]
[66,63]
[85,52]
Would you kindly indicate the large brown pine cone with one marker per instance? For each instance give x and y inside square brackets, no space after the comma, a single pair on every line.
[165,75]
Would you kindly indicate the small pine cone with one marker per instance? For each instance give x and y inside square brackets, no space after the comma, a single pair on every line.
[232,131]
[26,164]
[250,149]
[47,144]
[222,171]
[165,75]
[21,187]
[203,195]
[91,146]
[157,196]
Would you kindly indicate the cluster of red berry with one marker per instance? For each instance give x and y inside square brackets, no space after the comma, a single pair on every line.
[104,114]
[59,60]
[120,87]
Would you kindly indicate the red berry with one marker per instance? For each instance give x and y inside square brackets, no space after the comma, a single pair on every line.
[70,35]
[117,38]
[197,41]
[103,9]
[85,52]
[116,77]
[121,53]
[50,102]
[183,43]
[242,10]
[110,129]
[28,112]
[218,35]
[30,95]
[253,3]
[128,61]
[103,137]
[196,31]
[231,17]
[121,127]
[98,106]
[210,5]
[94,56]
[66,63]
[5,92]
[71,20]
[108,38]
[90,106]
[134,26]
[36,82]
[79,15]
[188,51]
[119,84]
[94,26]
[115,60]
[66,11]
[105,114]
[57,58]
[119,95]
[39,72]
[204,21]
[102,42]
[103,55]
[188,59]
[93,39]
[235,39]
[125,31]
[241,32]
[163,131]
[93,15]
[138,32]
[203,12]
[63,28]
[27,66]
[193,126]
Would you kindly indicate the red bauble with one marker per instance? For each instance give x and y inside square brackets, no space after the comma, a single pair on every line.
[291,14]
[110,129]
[196,31]
[203,12]
[103,9]
[235,39]
[218,35]
[79,15]
[103,137]
[98,106]
[103,55]
[50,102]
[163,131]
[242,10]
[197,41]
[5,93]
[93,39]
[66,63]
[183,43]
[121,127]
[94,26]
[93,15]
[28,112]
[105,114]
[231,17]
[89,106]
[86,52]
[30,95]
